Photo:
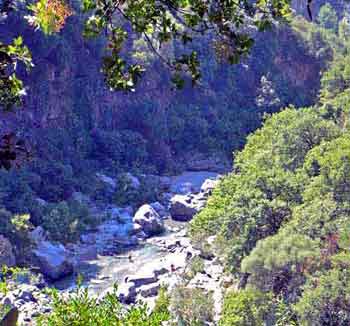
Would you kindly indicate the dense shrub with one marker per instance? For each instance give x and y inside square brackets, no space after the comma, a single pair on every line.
[192,306]
[79,309]
[15,227]
[245,308]
[325,301]
[127,194]
[119,149]
[279,263]
[66,220]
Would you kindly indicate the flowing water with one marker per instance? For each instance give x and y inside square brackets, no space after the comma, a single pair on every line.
[101,274]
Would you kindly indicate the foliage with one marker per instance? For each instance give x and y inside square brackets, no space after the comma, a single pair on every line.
[10,277]
[176,21]
[195,265]
[325,300]
[72,217]
[79,309]
[49,15]
[192,306]
[159,24]
[327,17]
[11,88]
[282,216]
[253,203]
[128,194]
[246,307]
[15,228]
[4,309]
[281,262]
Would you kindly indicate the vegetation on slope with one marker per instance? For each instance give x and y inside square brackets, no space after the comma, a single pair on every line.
[282,217]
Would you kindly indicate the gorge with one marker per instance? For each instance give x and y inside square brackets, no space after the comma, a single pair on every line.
[223,201]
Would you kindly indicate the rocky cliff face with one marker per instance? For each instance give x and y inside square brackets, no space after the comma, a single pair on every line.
[70,116]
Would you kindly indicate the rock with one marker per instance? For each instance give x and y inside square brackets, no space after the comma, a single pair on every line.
[190,182]
[150,290]
[113,236]
[208,186]
[107,180]
[25,293]
[136,229]
[142,235]
[127,293]
[8,300]
[173,243]
[127,210]
[85,253]
[227,282]
[160,209]
[38,235]
[143,279]
[53,260]
[164,183]
[7,256]
[181,208]
[160,271]
[149,220]
[41,201]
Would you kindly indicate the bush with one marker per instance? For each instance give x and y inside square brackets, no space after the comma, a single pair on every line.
[279,263]
[78,309]
[128,194]
[245,308]
[192,306]
[66,220]
[196,265]
[162,303]
[15,228]
[326,301]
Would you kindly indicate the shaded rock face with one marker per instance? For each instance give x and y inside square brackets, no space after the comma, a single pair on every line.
[68,81]
[37,235]
[149,220]
[7,256]
[127,293]
[53,260]
[181,208]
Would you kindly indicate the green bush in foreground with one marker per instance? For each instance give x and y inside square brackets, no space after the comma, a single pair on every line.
[80,309]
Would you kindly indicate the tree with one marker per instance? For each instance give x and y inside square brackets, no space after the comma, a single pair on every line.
[279,263]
